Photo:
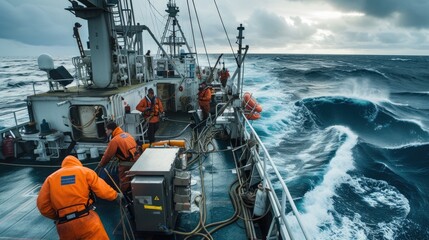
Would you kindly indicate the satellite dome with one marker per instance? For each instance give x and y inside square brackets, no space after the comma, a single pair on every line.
[45,62]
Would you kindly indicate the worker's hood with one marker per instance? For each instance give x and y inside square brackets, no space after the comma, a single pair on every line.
[117,131]
[71,161]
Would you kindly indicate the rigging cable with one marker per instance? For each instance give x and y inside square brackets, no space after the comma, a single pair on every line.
[153,18]
[224,29]
[123,213]
[153,12]
[192,31]
[201,32]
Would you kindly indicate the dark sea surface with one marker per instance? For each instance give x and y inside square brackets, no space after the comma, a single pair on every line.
[350,135]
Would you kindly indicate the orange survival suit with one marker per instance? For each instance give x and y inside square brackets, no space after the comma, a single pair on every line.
[64,197]
[151,108]
[123,145]
[148,108]
[224,75]
[204,98]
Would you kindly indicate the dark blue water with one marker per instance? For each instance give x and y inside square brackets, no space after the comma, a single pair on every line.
[348,133]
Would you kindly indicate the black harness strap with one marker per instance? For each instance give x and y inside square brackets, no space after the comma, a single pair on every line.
[74,215]
[121,155]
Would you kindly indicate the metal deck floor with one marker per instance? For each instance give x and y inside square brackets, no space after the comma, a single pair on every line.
[20,218]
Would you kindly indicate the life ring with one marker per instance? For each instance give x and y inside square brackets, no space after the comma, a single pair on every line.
[253,116]
[250,103]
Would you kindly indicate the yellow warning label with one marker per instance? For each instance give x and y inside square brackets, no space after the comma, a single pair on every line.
[156,198]
[152,207]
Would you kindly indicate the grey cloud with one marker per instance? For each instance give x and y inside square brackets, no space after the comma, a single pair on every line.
[406,13]
[37,24]
[270,26]
[358,37]
[391,37]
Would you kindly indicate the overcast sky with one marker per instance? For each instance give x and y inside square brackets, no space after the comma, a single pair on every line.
[30,27]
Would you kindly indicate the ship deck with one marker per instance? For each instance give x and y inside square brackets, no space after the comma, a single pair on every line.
[87,92]
[20,218]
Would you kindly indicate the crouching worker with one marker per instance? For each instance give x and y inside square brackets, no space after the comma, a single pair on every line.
[124,147]
[65,198]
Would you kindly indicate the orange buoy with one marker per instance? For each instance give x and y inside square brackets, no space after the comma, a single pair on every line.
[253,116]
[250,103]
[168,143]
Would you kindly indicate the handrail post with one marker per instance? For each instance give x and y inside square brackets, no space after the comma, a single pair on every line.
[283,212]
[14,117]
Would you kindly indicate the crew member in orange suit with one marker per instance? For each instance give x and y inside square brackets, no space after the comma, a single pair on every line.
[124,147]
[65,198]
[204,98]
[152,108]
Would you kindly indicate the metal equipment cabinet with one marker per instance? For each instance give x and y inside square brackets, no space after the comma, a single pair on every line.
[152,188]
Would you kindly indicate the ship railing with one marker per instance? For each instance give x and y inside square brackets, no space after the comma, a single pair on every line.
[81,68]
[13,120]
[269,173]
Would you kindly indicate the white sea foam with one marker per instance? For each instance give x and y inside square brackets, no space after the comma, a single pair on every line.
[321,218]
[272,99]
[363,89]
[400,59]
[318,203]
[379,194]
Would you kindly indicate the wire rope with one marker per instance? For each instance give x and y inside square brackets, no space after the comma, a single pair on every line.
[201,33]
[192,31]
[224,29]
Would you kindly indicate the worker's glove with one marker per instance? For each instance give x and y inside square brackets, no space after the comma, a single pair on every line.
[119,197]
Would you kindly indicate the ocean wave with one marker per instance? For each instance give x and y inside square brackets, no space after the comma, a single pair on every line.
[400,59]
[405,162]
[378,194]
[318,203]
[373,123]
[412,93]
[368,73]
[308,155]
[403,169]
[345,206]
[16,84]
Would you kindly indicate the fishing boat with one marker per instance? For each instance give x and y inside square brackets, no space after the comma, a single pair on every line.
[211,178]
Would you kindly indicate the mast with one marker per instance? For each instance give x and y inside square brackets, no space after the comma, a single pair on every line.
[100,35]
[239,55]
[114,37]
[173,40]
